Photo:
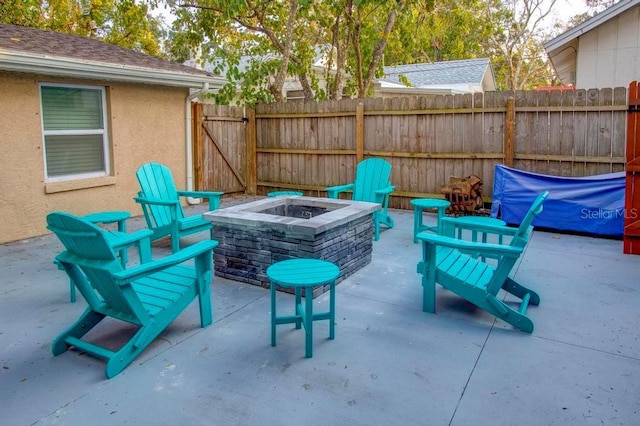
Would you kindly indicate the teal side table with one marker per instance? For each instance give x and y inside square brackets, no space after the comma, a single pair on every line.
[116,216]
[475,224]
[303,274]
[285,193]
[421,204]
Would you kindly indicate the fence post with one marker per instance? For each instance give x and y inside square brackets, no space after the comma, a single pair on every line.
[196,145]
[509,132]
[631,231]
[251,186]
[359,132]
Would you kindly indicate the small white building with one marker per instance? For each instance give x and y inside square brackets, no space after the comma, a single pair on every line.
[602,52]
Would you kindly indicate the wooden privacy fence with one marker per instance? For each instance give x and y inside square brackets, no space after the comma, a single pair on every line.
[311,145]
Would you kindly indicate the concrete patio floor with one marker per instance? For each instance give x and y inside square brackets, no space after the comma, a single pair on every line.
[390,364]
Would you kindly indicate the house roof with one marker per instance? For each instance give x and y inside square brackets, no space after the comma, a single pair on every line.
[453,74]
[563,49]
[24,49]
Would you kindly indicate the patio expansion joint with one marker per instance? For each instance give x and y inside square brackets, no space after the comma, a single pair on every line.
[473,369]
[52,413]
[239,308]
[574,345]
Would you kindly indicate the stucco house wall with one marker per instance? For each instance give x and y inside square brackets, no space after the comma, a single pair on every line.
[144,102]
[147,123]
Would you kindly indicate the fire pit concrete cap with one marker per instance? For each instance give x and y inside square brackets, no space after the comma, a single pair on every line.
[249,214]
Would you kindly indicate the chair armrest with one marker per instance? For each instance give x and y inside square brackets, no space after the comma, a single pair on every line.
[448,222]
[385,191]
[145,269]
[143,200]
[489,250]
[333,191]
[141,238]
[121,240]
[212,197]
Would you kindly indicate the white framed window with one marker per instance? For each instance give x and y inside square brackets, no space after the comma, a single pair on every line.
[74,124]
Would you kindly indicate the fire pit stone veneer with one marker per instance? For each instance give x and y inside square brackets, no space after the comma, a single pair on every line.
[255,235]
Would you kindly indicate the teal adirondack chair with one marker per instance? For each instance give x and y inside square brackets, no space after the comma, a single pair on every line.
[458,266]
[160,201]
[149,295]
[372,184]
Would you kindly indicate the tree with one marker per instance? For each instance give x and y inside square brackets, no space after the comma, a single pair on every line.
[439,31]
[122,22]
[258,43]
[517,50]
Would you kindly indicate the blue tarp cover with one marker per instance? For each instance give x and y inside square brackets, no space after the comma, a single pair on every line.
[592,204]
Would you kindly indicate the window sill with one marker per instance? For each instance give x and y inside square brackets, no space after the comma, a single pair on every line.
[72,185]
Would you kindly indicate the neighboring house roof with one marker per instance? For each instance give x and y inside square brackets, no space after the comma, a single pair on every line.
[563,49]
[245,61]
[462,76]
[24,49]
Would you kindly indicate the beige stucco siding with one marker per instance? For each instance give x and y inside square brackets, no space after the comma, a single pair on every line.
[146,123]
[609,55]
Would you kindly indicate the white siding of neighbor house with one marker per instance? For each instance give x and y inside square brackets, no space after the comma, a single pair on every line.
[609,54]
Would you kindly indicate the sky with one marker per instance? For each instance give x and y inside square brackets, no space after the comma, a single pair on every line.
[566,9]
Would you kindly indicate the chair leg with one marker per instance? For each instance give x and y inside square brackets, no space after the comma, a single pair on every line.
[428,293]
[376,226]
[130,350]
[175,242]
[204,279]
[86,322]
[521,291]
[72,291]
[506,313]
[204,301]
[388,220]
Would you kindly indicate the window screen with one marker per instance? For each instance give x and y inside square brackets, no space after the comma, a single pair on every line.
[75,137]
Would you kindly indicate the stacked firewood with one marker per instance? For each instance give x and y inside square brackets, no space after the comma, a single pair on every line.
[464,194]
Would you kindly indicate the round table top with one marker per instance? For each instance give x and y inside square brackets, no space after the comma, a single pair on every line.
[479,220]
[107,217]
[430,203]
[285,193]
[303,272]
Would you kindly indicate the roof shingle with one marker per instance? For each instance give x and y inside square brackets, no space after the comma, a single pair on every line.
[439,73]
[48,43]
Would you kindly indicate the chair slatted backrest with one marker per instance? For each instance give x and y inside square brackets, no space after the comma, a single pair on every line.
[519,240]
[156,182]
[91,262]
[372,174]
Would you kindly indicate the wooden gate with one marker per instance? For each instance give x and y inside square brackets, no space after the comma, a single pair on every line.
[219,148]
[632,190]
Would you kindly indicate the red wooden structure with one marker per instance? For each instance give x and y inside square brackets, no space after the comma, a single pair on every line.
[632,190]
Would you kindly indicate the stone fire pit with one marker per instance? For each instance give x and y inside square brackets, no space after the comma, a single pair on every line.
[255,235]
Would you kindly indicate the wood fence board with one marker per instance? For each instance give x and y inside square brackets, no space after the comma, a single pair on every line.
[427,139]
[554,132]
[593,131]
[580,133]
[567,130]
